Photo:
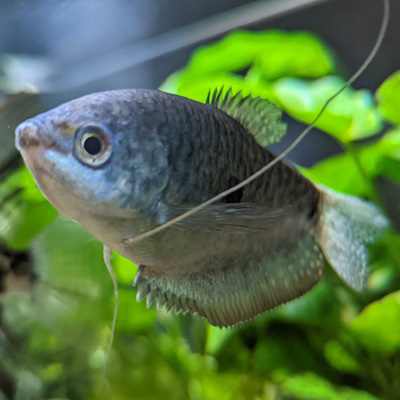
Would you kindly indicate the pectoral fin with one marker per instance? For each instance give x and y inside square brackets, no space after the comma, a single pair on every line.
[230,289]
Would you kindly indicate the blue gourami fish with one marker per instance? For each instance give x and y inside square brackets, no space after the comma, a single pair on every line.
[125,161]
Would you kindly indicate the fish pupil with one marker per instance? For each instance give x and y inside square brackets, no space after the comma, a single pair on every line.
[92,145]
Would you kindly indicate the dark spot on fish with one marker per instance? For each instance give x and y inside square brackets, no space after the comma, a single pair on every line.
[225,269]
[61,124]
[237,195]
[314,208]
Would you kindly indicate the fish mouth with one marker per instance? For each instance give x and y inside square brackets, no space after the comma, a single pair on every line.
[32,139]
[31,134]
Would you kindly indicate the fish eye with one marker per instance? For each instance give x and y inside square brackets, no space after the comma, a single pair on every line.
[92,145]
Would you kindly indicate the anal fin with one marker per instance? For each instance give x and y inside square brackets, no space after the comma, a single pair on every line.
[230,289]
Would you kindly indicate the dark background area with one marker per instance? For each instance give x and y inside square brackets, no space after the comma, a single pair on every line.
[76,41]
[71,33]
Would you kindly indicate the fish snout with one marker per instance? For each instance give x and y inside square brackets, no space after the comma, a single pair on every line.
[28,135]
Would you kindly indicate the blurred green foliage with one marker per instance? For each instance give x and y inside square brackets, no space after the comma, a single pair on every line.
[330,344]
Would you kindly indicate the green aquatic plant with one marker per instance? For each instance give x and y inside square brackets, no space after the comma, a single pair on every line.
[332,343]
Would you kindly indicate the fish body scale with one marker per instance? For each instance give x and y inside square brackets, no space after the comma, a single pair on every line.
[209,151]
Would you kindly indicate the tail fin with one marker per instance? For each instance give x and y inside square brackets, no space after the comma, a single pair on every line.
[346,225]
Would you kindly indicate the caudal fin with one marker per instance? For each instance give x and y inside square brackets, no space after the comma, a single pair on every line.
[346,225]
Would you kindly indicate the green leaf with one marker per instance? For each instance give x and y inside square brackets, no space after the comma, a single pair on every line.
[132,316]
[124,269]
[269,55]
[310,386]
[198,87]
[340,173]
[216,337]
[383,274]
[378,326]
[352,172]
[24,212]
[277,57]
[283,350]
[391,143]
[385,265]
[215,387]
[388,96]
[348,117]
[319,307]
[274,49]
[66,256]
[340,358]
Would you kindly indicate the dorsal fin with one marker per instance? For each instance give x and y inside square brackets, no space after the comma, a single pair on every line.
[258,116]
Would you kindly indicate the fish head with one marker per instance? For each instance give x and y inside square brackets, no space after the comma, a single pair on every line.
[100,154]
